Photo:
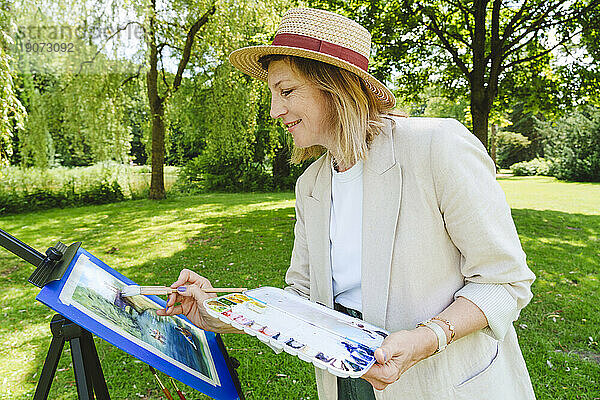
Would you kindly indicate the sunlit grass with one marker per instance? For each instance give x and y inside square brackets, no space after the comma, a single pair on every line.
[246,240]
[547,193]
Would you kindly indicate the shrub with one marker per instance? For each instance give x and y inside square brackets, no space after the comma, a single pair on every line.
[27,189]
[537,166]
[573,145]
[102,192]
[204,173]
[511,148]
[190,177]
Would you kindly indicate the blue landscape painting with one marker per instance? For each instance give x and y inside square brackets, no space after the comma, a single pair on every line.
[100,294]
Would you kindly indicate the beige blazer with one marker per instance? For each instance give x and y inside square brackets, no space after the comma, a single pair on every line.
[435,225]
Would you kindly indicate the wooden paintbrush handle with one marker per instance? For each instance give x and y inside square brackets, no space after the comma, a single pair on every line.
[225,290]
[156,290]
[179,392]
[167,393]
[164,389]
[162,290]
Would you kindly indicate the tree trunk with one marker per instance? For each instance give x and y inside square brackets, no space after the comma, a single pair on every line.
[157,183]
[479,102]
[480,112]
[157,102]
[480,124]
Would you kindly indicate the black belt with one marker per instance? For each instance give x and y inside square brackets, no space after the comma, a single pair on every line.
[348,311]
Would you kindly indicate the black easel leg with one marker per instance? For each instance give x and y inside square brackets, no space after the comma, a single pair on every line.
[85,353]
[49,369]
[84,385]
[86,364]
[92,365]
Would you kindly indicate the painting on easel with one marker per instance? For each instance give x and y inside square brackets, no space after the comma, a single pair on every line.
[89,294]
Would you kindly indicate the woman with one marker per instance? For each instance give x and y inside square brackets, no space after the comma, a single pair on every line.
[401,222]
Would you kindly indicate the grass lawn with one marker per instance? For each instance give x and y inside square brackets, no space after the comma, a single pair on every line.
[246,240]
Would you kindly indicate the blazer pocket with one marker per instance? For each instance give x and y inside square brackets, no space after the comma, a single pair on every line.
[479,375]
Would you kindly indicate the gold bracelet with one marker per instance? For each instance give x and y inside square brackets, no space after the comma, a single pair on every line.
[450,327]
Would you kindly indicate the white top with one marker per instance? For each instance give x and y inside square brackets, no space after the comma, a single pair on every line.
[345,235]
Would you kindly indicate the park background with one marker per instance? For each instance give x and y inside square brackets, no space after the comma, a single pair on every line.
[123,126]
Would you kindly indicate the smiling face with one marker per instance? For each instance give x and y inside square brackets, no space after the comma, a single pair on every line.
[300,104]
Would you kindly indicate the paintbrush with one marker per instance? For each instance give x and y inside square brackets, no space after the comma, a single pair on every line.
[179,393]
[134,290]
[164,389]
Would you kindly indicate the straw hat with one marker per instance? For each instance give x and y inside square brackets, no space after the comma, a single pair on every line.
[318,35]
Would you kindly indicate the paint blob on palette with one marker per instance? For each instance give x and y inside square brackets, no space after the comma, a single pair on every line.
[330,340]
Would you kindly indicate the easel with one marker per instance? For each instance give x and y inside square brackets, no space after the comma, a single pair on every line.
[86,364]
[89,378]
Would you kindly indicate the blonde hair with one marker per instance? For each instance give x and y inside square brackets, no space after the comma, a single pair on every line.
[355,113]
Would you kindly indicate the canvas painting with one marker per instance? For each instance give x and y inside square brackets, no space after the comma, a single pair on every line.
[97,293]
[90,295]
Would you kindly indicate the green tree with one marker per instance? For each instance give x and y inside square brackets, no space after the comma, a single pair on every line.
[93,114]
[225,132]
[214,112]
[583,75]
[74,119]
[524,122]
[573,145]
[12,112]
[184,50]
[468,46]
[197,35]
[77,109]
[35,141]
[156,40]
[434,103]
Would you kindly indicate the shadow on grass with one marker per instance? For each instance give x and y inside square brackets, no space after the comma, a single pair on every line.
[563,251]
[245,248]
[559,242]
[248,250]
[239,243]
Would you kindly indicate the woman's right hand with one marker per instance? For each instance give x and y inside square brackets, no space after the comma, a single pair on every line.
[191,296]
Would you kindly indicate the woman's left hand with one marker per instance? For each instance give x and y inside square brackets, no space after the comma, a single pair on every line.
[398,352]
